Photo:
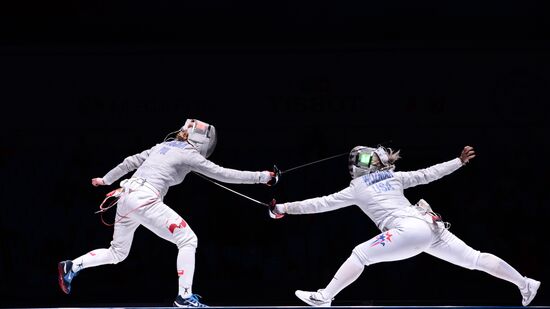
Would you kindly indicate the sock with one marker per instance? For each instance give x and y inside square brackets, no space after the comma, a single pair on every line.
[497,267]
[93,258]
[186,269]
[348,273]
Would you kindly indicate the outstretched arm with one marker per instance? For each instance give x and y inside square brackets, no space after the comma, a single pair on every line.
[208,168]
[319,204]
[424,176]
[129,164]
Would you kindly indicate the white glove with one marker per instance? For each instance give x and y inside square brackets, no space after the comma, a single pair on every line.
[276,211]
[98,182]
[266,176]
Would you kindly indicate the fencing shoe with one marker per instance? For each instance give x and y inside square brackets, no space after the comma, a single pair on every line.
[65,275]
[529,291]
[314,299]
[192,301]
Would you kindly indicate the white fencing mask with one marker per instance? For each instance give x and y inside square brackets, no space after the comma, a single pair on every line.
[201,135]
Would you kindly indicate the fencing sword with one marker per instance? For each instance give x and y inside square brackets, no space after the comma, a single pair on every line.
[231,190]
[321,160]
[314,162]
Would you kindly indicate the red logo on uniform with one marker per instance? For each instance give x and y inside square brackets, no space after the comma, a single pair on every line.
[174,226]
[180,272]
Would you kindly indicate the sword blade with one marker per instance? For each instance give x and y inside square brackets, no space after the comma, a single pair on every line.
[231,190]
[314,162]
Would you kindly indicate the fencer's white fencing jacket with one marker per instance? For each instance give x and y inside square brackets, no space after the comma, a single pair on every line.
[379,194]
[166,164]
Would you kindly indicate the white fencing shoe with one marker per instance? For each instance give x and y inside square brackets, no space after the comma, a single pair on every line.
[530,290]
[314,299]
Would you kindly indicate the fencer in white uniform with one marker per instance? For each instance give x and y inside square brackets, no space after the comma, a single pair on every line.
[141,202]
[406,229]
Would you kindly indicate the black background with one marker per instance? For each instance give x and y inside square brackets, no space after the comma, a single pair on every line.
[85,84]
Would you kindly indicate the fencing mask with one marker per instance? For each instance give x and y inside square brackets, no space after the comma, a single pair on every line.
[201,135]
[361,160]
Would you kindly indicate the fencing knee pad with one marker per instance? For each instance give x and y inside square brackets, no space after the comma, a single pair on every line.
[119,254]
[182,234]
[360,256]
[486,262]
[472,260]
[185,238]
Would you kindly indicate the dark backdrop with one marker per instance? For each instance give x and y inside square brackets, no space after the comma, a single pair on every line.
[86,84]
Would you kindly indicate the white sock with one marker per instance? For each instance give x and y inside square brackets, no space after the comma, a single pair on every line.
[497,267]
[93,258]
[186,269]
[346,274]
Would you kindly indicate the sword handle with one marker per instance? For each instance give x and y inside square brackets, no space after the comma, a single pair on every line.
[271,211]
[275,179]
